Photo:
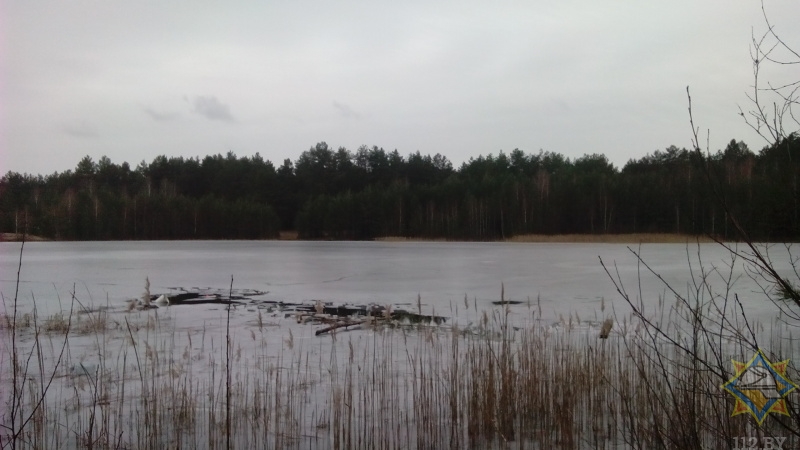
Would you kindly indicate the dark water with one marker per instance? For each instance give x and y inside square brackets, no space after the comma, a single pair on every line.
[564,277]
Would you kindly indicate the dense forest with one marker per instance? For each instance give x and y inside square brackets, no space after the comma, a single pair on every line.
[340,194]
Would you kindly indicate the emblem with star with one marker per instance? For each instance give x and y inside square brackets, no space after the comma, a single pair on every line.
[760,387]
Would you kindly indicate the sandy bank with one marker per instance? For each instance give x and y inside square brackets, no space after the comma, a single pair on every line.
[17,237]
[647,238]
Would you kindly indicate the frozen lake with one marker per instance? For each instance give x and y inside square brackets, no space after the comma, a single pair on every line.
[565,278]
[297,381]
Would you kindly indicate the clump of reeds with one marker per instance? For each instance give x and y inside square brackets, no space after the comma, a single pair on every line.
[56,323]
[605,329]
[416,387]
[23,321]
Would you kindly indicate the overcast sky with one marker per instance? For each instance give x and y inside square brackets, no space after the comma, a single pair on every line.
[133,80]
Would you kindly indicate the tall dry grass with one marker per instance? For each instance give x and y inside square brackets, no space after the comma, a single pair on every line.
[419,386]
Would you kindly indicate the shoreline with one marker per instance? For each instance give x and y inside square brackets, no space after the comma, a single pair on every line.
[632,238]
[629,238]
[17,237]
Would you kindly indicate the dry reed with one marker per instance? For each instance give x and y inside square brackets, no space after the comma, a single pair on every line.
[655,384]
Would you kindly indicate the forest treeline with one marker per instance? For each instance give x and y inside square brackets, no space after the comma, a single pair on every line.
[340,194]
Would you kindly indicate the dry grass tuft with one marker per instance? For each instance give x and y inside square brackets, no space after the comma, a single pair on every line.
[605,330]
[90,323]
[24,321]
[56,323]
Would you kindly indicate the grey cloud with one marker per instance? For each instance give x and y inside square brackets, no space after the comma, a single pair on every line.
[346,111]
[212,108]
[80,130]
[485,77]
[159,116]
